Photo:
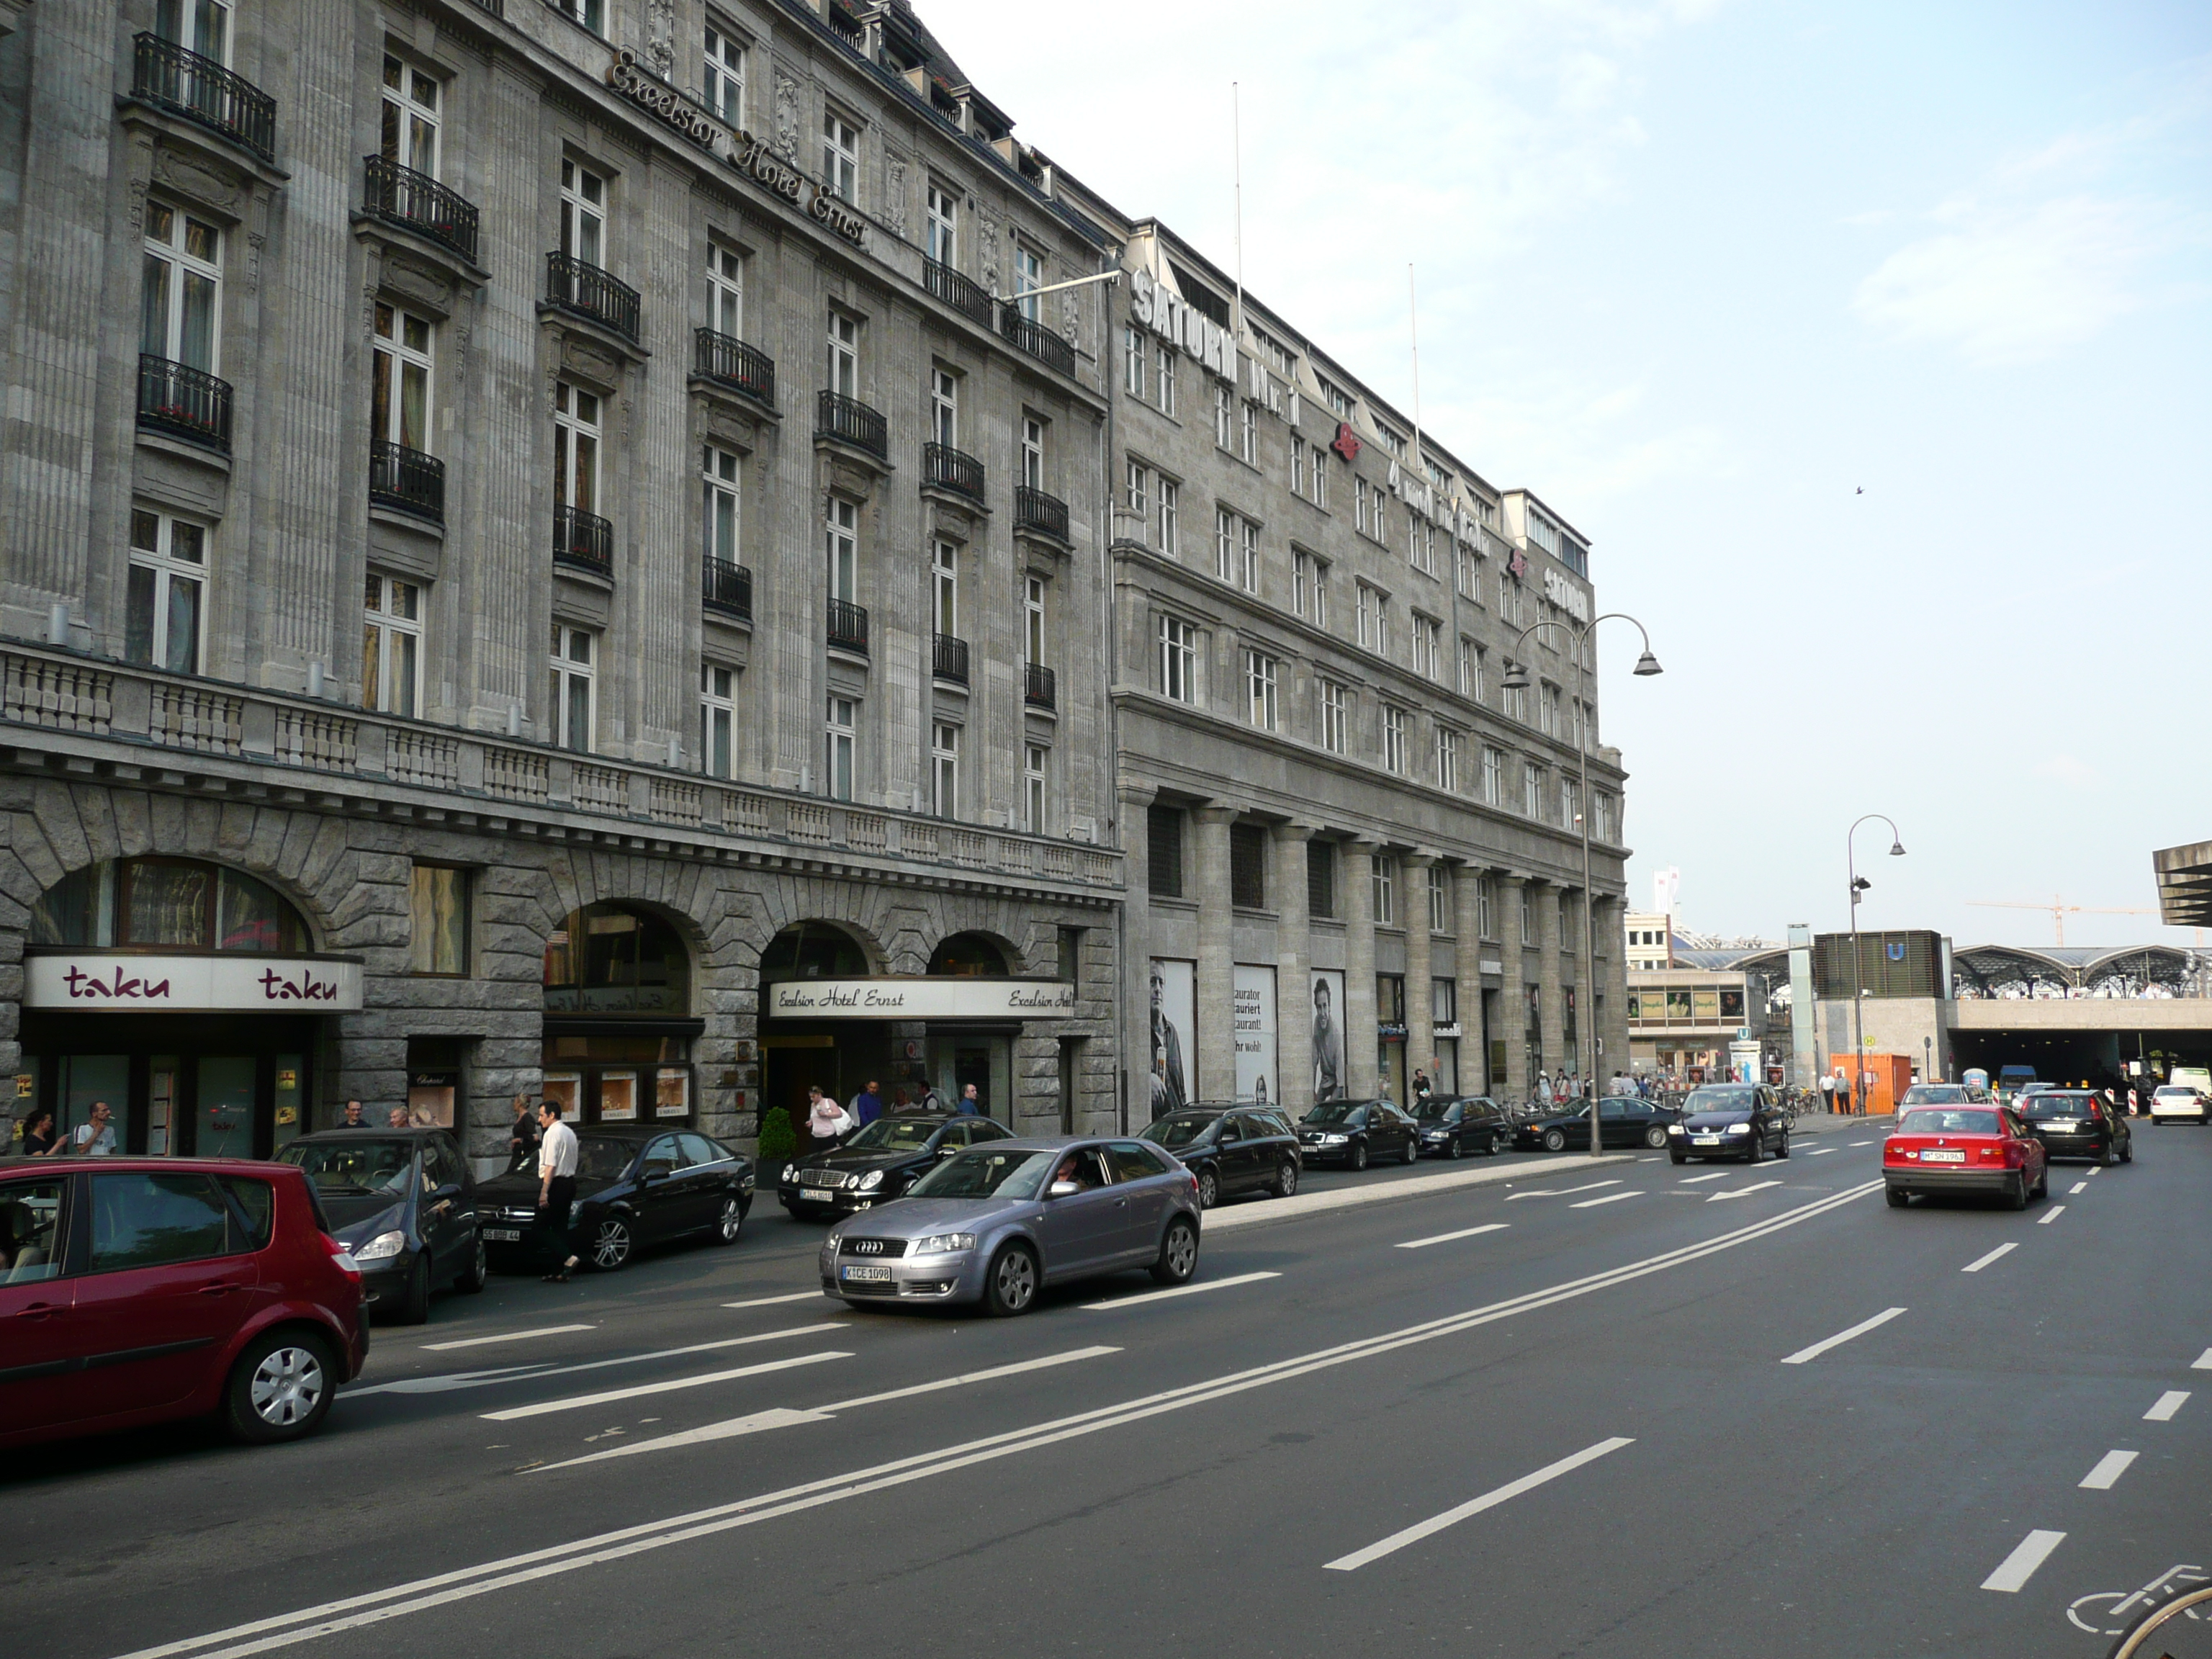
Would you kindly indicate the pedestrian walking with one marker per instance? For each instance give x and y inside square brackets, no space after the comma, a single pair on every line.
[970,1105]
[556,1190]
[522,1136]
[867,1106]
[825,1120]
[96,1138]
[1420,1084]
[40,1138]
[1827,1093]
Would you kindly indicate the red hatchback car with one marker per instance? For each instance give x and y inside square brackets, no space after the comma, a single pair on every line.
[136,1290]
[1975,1148]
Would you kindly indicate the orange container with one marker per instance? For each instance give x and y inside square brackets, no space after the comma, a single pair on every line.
[1888,1078]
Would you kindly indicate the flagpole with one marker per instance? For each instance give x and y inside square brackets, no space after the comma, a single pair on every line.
[1413,328]
[1237,166]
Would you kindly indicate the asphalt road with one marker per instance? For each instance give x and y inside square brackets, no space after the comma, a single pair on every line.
[1569,1410]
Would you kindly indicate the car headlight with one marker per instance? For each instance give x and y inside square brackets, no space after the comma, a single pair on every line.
[1333,1140]
[1737,1129]
[944,1244]
[382,1248]
[1674,1128]
[869,1182]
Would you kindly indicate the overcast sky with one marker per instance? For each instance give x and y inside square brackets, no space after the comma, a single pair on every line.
[1699,272]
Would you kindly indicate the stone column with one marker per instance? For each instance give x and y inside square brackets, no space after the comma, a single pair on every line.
[1294,1073]
[1136,999]
[1215,1016]
[1612,953]
[1513,995]
[1359,1069]
[1551,1006]
[1474,1077]
[1420,994]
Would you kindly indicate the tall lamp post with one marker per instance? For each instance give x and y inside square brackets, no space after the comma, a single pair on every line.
[1516,679]
[1859,884]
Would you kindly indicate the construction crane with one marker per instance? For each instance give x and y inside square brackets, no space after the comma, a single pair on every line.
[2060,911]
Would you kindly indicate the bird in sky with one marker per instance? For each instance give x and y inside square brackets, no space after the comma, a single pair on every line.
[1861,490]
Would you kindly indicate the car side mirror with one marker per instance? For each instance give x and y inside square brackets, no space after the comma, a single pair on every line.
[658,1171]
[1062,1189]
[947,1151]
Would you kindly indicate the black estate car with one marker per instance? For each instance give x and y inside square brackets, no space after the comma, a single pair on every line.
[403,1203]
[1623,1121]
[879,1161]
[1355,1133]
[2078,1123]
[636,1184]
[1454,1125]
[1730,1120]
[1231,1148]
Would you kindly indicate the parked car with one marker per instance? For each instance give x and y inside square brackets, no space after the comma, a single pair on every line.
[1730,1120]
[2078,1123]
[140,1289]
[1453,1126]
[1356,1132]
[403,1203]
[995,1223]
[1231,1148]
[879,1162]
[2178,1102]
[637,1185]
[1623,1121]
[1970,1149]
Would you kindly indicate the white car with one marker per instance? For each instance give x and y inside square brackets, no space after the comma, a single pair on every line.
[2175,1103]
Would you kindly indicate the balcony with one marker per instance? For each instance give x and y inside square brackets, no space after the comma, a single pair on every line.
[183,403]
[848,626]
[849,421]
[967,298]
[944,467]
[583,540]
[726,587]
[1040,342]
[729,361]
[1040,687]
[1036,510]
[948,659]
[407,480]
[586,291]
[169,77]
[400,196]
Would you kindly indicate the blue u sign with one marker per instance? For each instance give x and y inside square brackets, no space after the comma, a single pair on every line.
[1896,953]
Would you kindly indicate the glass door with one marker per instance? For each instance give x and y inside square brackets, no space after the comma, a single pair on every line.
[226,1106]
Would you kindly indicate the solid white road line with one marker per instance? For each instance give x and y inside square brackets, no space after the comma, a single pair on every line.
[2204,1361]
[2168,1403]
[1609,1198]
[1743,1192]
[2110,1468]
[1261,1213]
[775,1301]
[576,1402]
[1842,1337]
[1180,1290]
[2016,1569]
[1821,1151]
[512,1571]
[1562,1192]
[1709,1175]
[451,1380]
[1446,1238]
[2050,1215]
[510,1336]
[783,1417]
[1982,1262]
[1491,1499]
[2078,1187]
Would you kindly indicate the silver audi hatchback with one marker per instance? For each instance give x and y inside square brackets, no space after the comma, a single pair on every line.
[996,1223]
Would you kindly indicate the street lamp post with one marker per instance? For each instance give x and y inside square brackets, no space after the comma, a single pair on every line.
[1859,884]
[1516,679]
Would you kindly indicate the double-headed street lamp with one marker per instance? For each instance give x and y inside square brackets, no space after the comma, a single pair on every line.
[1516,679]
[1859,884]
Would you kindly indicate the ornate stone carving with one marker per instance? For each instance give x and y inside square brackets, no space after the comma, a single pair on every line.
[412,280]
[661,36]
[990,249]
[1070,314]
[787,117]
[588,361]
[952,523]
[895,193]
[726,426]
[200,180]
[847,478]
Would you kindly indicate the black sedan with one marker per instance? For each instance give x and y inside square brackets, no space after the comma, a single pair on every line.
[636,1184]
[2079,1123]
[879,1161]
[1456,1126]
[403,1203]
[1623,1121]
[1231,1149]
[1730,1120]
[1356,1132]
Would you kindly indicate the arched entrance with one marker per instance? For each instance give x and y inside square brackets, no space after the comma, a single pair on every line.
[618,1022]
[799,1056]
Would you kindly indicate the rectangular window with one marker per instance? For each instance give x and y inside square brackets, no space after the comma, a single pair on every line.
[575,449]
[165,609]
[1425,631]
[1248,548]
[575,658]
[718,715]
[719,521]
[1332,716]
[583,213]
[1224,415]
[410,130]
[841,544]
[839,731]
[391,647]
[1601,820]
[1571,805]
[1163,364]
[1170,519]
[1133,361]
[1527,922]
[1448,743]
[1321,879]
[1301,580]
[1532,789]
[180,299]
[1163,851]
[945,768]
[1485,908]
[1493,776]
[1034,758]
[1359,504]
[1393,738]
[438,916]
[1248,866]
[724,81]
[944,581]
[1224,543]
[1033,619]
[725,292]
[844,364]
[1440,916]
[1320,476]
[1178,659]
[1366,615]
[1029,277]
[944,408]
[944,227]
[1140,491]
[1470,669]
[1320,593]
[1383,883]
[592,13]
[1032,451]
[1297,468]
[1248,434]
[1469,568]
[841,157]
[1260,674]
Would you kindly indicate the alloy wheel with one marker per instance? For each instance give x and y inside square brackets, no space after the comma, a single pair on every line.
[1015,1279]
[731,1220]
[288,1385]
[1209,1189]
[611,1246]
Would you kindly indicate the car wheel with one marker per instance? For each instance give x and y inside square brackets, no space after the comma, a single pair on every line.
[1497,1144]
[1413,1149]
[1359,1159]
[1286,1180]
[1011,1284]
[2043,1183]
[612,1244]
[1781,1147]
[1755,1150]
[413,1307]
[479,1271]
[1555,1140]
[1178,1253]
[1678,1157]
[1451,1147]
[2017,1198]
[1209,1189]
[731,1222]
[1655,1137]
[2127,1149]
[1899,1198]
[281,1387]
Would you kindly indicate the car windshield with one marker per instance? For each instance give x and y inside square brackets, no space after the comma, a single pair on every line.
[1929,1122]
[893,1134]
[1179,1128]
[603,1157]
[1741,1098]
[2049,1105]
[354,1167]
[1333,1111]
[1439,1111]
[1936,1094]
[2173,1090]
[1001,1172]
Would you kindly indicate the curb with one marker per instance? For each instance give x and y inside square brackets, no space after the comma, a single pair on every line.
[1256,1213]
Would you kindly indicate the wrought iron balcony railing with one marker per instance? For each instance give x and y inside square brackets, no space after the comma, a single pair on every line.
[1036,510]
[727,360]
[726,587]
[1040,342]
[583,540]
[850,421]
[1040,686]
[184,402]
[407,480]
[948,468]
[573,285]
[404,196]
[970,299]
[172,77]
[848,626]
[948,659]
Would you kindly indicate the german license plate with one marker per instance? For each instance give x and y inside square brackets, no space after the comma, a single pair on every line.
[2059,1126]
[504,1235]
[868,1275]
[1705,1140]
[1942,1157]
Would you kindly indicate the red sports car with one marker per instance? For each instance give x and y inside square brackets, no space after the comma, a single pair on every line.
[1980,1148]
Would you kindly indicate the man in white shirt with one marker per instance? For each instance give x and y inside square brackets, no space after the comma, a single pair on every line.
[556,1189]
[97,1138]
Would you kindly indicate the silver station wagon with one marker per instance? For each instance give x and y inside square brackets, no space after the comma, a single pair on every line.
[997,1223]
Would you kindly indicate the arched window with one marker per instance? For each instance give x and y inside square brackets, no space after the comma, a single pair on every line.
[812,950]
[165,903]
[611,959]
[969,956]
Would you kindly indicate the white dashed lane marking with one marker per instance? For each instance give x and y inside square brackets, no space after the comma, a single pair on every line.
[2050,1215]
[1982,1262]
[2078,1187]
[2110,1468]
[2168,1403]
[1446,1238]
[1610,1198]
[1841,1337]
[2016,1569]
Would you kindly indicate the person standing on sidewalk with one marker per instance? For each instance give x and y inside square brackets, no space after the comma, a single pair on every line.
[96,1139]
[556,1189]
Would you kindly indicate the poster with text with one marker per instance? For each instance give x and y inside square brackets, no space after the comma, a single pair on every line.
[1327,1034]
[1253,999]
[1175,1003]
